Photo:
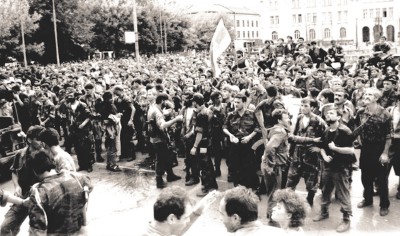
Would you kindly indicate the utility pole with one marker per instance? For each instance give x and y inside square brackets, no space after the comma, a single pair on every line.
[135,28]
[165,35]
[161,33]
[23,36]
[55,33]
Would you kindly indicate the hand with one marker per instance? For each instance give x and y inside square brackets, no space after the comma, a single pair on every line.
[246,139]
[206,201]
[317,140]
[314,149]
[179,118]
[18,191]
[42,124]
[186,136]
[332,146]
[233,139]
[81,126]
[193,151]
[327,158]
[384,159]
[130,123]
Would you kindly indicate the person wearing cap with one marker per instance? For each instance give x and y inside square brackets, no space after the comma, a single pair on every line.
[317,54]
[34,104]
[157,126]
[388,92]
[93,100]
[335,54]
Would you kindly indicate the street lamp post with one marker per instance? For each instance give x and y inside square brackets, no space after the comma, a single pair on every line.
[55,33]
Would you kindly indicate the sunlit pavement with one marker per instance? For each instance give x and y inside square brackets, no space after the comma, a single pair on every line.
[121,204]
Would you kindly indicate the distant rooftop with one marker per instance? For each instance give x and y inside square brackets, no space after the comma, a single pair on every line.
[219,8]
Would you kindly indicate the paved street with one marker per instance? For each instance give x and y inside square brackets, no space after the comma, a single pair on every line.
[121,204]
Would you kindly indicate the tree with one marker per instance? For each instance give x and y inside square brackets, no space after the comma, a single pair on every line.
[12,15]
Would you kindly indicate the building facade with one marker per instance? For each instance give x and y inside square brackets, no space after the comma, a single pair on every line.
[351,22]
[246,23]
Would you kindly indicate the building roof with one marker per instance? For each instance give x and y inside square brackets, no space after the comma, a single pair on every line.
[219,8]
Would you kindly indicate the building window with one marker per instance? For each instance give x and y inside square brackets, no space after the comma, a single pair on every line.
[365,32]
[248,34]
[274,35]
[314,18]
[384,12]
[296,34]
[252,23]
[238,23]
[311,34]
[299,18]
[371,13]
[256,23]
[390,33]
[339,15]
[378,12]
[327,33]
[272,20]
[365,13]
[390,12]
[244,34]
[277,20]
[243,23]
[238,34]
[295,3]
[342,32]
[329,17]
[252,34]
[294,19]
[248,24]
[257,33]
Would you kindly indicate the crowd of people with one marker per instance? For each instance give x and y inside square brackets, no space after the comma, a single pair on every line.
[173,106]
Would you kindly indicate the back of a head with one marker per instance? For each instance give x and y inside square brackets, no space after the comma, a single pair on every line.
[272,91]
[41,162]
[34,131]
[161,97]
[198,98]
[172,200]
[49,136]
[243,202]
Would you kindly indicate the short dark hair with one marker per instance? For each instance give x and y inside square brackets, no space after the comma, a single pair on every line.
[272,91]
[34,131]
[327,93]
[241,97]
[314,91]
[49,136]
[161,97]
[243,202]
[277,114]
[41,162]
[171,200]
[198,99]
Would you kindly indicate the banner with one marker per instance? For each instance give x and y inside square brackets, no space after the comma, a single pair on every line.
[219,43]
[130,37]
